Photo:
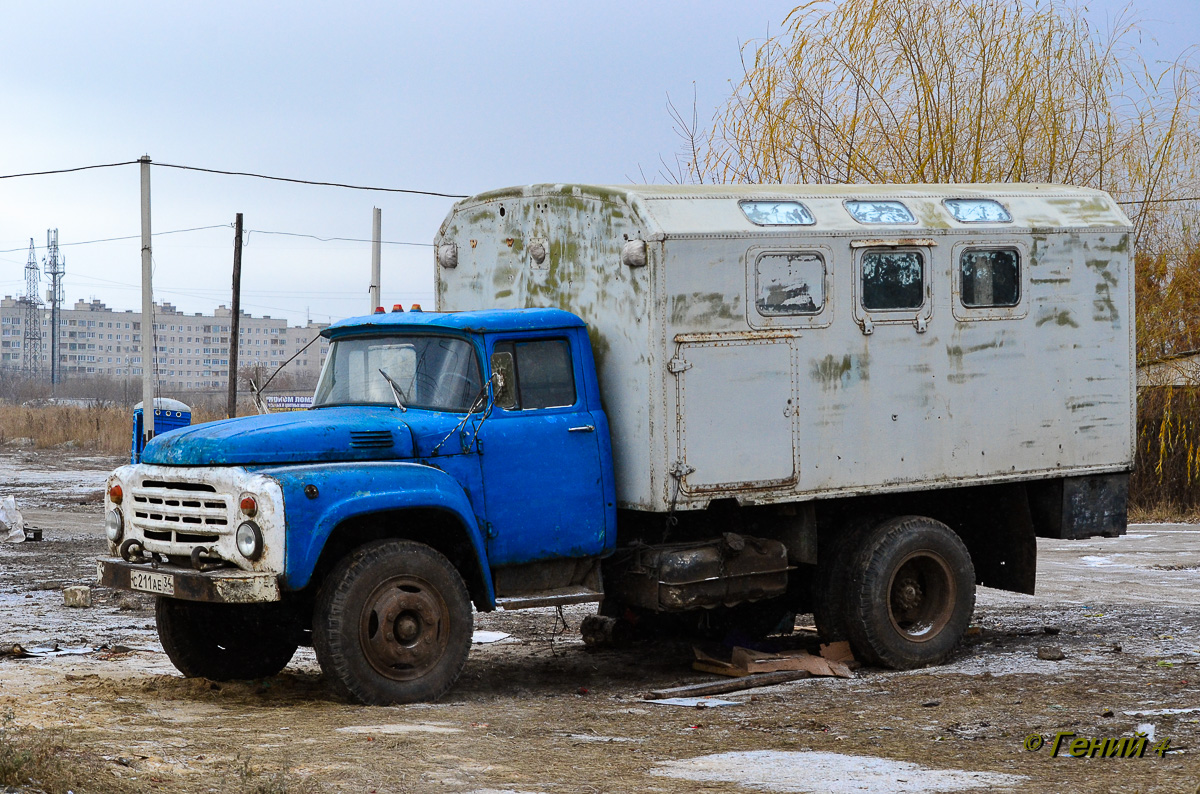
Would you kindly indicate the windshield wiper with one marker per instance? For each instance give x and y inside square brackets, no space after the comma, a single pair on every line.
[397,392]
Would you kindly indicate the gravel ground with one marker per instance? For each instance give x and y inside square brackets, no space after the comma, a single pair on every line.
[539,712]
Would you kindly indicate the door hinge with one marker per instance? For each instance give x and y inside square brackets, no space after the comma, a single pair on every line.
[489,530]
[677,365]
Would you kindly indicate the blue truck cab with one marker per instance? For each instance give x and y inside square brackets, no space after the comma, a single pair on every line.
[449,459]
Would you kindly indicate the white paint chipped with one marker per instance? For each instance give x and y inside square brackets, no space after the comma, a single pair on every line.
[828,773]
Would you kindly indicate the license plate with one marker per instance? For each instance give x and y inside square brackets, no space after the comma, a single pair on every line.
[159,583]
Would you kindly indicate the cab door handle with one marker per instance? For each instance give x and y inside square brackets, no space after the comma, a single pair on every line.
[582,429]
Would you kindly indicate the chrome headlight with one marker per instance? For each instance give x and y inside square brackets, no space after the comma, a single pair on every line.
[114,525]
[249,540]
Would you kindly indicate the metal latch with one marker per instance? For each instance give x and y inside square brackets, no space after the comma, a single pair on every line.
[920,325]
[868,327]
[677,365]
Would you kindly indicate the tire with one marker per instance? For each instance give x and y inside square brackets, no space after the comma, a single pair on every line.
[226,642]
[392,624]
[831,585]
[912,594]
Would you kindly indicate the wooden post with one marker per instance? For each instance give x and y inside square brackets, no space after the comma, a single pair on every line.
[235,318]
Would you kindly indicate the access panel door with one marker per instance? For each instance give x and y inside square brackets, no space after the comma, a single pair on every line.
[541,462]
[737,414]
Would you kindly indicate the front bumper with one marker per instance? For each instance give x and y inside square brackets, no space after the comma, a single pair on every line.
[228,585]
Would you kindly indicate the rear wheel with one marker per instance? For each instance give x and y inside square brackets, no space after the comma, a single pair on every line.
[226,642]
[393,624]
[912,594]
[831,586]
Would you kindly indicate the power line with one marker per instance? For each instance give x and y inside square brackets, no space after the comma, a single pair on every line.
[345,185]
[338,239]
[310,182]
[228,226]
[129,237]
[1159,201]
[68,170]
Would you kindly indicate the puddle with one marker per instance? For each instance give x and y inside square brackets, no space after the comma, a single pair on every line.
[827,773]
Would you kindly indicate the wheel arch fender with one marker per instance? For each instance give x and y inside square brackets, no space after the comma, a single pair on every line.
[356,504]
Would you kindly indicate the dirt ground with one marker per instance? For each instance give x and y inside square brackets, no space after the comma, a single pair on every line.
[539,712]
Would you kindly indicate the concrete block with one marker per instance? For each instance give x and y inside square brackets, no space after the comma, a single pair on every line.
[77,596]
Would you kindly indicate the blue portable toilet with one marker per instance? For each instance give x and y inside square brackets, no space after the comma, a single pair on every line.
[168,415]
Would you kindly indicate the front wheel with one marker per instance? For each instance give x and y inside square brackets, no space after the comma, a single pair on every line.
[392,624]
[226,642]
[912,594]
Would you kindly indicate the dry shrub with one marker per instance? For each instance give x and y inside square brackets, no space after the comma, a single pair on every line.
[35,760]
[100,428]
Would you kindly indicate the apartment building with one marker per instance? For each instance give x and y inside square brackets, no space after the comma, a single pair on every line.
[191,351]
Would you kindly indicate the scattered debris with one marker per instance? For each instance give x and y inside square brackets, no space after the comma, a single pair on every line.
[400,727]
[1051,630]
[43,651]
[1146,728]
[694,703]
[1051,653]
[77,596]
[1107,713]
[735,685]
[481,637]
[600,630]
[11,520]
[744,662]
[931,703]
[1160,712]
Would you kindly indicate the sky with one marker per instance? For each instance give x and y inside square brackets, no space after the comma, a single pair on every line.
[446,97]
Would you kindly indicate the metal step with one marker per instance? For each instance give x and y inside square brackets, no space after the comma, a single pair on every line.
[549,598]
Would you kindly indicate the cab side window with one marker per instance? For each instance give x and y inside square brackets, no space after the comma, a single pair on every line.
[543,373]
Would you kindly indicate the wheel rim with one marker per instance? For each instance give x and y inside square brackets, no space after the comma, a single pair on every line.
[404,628]
[921,596]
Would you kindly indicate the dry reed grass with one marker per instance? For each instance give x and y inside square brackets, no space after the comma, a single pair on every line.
[101,428]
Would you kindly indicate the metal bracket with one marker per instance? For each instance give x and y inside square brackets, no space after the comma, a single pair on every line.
[920,325]
[679,469]
[868,327]
[677,365]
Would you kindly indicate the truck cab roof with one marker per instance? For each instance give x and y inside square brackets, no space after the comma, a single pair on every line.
[479,322]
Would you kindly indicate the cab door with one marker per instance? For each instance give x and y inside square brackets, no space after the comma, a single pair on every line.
[542,472]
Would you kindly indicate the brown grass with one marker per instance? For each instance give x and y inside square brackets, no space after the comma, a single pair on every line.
[102,428]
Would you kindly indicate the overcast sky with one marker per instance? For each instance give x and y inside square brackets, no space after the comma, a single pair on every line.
[447,97]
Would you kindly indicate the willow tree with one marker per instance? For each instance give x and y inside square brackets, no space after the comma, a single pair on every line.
[959,91]
[983,91]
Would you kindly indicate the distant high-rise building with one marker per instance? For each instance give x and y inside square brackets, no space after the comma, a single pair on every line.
[191,351]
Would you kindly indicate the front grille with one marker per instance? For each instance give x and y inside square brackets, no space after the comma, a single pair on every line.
[180,512]
[370,439]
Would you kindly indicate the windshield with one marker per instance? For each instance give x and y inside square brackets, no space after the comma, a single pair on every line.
[440,373]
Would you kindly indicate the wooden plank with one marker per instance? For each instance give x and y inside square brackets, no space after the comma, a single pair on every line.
[733,685]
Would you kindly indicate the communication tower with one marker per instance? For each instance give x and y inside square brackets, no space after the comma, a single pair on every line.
[56,268]
[33,315]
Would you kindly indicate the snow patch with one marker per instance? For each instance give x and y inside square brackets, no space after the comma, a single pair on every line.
[827,773]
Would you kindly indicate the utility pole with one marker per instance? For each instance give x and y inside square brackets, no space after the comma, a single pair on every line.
[235,318]
[376,237]
[149,351]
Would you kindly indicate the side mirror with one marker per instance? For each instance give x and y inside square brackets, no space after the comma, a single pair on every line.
[503,372]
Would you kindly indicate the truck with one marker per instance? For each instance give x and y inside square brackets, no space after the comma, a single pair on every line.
[709,407]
